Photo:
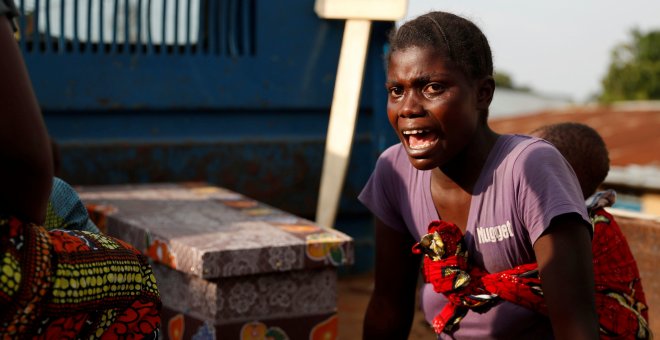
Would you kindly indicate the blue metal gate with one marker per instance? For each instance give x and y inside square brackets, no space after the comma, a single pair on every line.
[233,92]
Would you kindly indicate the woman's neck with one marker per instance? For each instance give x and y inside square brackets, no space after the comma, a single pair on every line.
[464,170]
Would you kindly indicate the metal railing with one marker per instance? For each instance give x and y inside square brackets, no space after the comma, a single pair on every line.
[215,27]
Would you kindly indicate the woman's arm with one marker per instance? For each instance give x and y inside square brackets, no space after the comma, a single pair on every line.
[563,253]
[392,305]
[27,167]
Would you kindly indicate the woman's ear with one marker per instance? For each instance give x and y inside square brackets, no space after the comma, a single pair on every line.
[485,90]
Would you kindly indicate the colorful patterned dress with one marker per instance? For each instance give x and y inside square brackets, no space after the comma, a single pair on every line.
[70,284]
[65,280]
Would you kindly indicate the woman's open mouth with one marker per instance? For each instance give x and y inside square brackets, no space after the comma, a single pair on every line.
[420,139]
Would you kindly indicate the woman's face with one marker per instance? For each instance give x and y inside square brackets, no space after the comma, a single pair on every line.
[431,105]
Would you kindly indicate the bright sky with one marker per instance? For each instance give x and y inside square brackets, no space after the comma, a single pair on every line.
[558,47]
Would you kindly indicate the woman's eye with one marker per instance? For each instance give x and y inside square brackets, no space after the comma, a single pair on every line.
[396,92]
[433,89]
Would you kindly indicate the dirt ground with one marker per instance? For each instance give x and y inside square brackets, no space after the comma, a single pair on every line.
[354,292]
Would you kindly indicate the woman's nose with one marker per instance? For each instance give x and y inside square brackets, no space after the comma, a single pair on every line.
[411,106]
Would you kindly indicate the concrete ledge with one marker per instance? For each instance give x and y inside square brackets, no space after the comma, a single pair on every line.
[643,234]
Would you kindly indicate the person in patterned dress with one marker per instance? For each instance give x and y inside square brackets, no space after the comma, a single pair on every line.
[67,280]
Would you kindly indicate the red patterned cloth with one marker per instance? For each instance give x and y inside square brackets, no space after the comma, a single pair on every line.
[73,284]
[620,300]
[446,268]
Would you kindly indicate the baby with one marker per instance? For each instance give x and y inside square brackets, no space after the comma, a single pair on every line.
[615,269]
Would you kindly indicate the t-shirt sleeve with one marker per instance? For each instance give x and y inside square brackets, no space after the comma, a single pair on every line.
[547,188]
[382,193]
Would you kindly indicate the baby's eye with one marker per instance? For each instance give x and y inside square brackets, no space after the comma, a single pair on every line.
[395,91]
[433,89]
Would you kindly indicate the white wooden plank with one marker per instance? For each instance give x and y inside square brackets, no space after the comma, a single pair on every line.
[343,115]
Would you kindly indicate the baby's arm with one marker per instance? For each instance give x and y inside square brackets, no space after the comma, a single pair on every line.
[563,253]
[392,305]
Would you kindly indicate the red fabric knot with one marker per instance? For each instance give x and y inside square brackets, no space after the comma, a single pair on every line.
[446,267]
[620,299]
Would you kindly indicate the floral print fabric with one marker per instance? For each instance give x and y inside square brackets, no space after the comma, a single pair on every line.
[73,284]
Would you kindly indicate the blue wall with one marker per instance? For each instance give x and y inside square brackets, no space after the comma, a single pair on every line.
[246,107]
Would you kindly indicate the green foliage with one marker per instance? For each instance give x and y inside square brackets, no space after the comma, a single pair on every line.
[504,80]
[634,72]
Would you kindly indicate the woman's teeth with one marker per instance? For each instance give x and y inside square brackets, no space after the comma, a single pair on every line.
[419,139]
[414,132]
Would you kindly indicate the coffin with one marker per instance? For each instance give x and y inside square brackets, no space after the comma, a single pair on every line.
[227,266]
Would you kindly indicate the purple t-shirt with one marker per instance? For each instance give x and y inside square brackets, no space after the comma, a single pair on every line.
[523,185]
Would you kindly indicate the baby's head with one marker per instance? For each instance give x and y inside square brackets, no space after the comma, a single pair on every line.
[583,148]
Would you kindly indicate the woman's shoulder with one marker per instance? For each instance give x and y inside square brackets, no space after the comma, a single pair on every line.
[530,157]
[519,147]
[515,141]
[515,153]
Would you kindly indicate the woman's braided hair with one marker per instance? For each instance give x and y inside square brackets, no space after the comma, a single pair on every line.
[455,37]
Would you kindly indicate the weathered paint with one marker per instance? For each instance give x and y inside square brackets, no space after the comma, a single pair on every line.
[277,172]
[246,109]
